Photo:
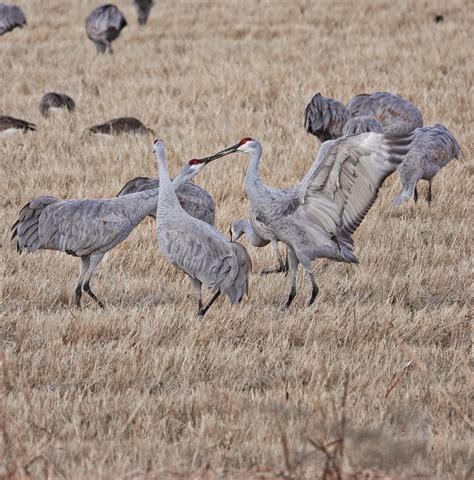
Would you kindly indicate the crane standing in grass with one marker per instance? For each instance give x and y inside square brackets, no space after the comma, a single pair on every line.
[103,26]
[197,248]
[88,228]
[317,217]
[431,149]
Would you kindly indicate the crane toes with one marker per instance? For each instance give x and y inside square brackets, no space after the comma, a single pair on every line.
[274,270]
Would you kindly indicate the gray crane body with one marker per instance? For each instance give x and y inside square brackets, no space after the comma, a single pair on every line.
[317,218]
[85,228]
[195,200]
[396,114]
[197,248]
[103,26]
[11,17]
[432,148]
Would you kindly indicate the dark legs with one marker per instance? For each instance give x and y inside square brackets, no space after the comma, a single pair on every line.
[415,195]
[88,265]
[314,287]
[202,311]
[293,262]
[292,267]
[85,262]
[197,288]
[282,266]
[428,197]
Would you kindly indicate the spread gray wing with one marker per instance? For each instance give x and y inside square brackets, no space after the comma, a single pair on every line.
[340,191]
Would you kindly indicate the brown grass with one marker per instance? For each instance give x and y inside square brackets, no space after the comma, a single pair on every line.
[145,388]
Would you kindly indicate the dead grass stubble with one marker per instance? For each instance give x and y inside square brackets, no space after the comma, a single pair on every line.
[145,388]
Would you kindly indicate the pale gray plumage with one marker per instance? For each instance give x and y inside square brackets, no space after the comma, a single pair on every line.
[396,114]
[11,17]
[120,125]
[87,228]
[103,26]
[197,248]
[431,149]
[325,117]
[241,227]
[358,125]
[11,124]
[317,217]
[143,8]
[54,101]
[195,200]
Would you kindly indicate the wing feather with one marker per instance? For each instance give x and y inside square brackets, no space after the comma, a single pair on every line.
[342,188]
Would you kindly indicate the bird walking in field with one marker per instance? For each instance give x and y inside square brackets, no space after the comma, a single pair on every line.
[103,26]
[396,114]
[143,8]
[54,101]
[432,148]
[118,126]
[325,118]
[195,200]
[88,228]
[317,217]
[11,17]
[13,125]
[197,248]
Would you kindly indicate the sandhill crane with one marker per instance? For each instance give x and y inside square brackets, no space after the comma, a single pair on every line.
[88,228]
[11,125]
[396,114]
[317,217]
[11,17]
[103,26]
[121,125]
[55,101]
[431,149]
[325,117]
[241,227]
[195,200]
[357,125]
[196,247]
[143,8]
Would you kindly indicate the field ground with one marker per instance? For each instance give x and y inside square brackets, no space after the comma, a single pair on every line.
[145,388]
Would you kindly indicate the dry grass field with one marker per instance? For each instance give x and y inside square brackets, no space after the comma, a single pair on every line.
[145,388]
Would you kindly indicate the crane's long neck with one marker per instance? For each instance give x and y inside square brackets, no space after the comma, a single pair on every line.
[167,198]
[255,239]
[253,183]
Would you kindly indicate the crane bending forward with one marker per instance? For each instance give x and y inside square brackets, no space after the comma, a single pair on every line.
[196,247]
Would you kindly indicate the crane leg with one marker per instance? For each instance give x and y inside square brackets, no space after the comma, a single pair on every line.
[197,288]
[292,267]
[429,197]
[202,311]
[314,287]
[94,261]
[85,262]
[282,266]
[415,194]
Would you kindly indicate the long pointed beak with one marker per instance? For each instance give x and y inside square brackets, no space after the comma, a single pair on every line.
[220,154]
